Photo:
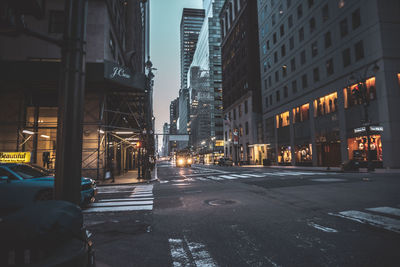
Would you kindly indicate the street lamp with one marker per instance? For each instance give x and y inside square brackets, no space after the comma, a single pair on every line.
[361,93]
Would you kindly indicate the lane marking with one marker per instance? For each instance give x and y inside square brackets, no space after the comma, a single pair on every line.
[115,209]
[253,175]
[115,192]
[371,219]
[214,178]
[141,195]
[386,210]
[125,199]
[322,228]
[328,180]
[122,203]
[200,255]
[178,253]
[228,177]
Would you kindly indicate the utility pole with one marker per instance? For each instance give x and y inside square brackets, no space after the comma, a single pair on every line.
[70,103]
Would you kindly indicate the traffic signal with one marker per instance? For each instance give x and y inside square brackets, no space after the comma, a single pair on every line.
[356,91]
[138,144]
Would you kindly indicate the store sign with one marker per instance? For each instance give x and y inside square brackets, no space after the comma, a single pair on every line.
[121,75]
[376,128]
[359,130]
[15,157]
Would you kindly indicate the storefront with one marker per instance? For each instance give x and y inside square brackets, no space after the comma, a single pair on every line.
[328,149]
[303,154]
[258,153]
[358,146]
[285,155]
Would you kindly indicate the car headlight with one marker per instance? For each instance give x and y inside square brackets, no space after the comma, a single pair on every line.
[189,161]
[180,161]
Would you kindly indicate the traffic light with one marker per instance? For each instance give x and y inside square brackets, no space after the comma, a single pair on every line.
[356,91]
[138,144]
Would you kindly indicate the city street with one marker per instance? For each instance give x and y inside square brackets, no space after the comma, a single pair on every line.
[238,216]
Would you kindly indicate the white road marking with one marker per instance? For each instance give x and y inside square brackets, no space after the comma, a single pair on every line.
[328,180]
[200,255]
[124,199]
[178,253]
[371,219]
[386,210]
[196,251]
[122,203]
[228,177]
[141,195]
[214,178]
[115,192]
[116,209]
[322,228]
[253,175]
[201,179]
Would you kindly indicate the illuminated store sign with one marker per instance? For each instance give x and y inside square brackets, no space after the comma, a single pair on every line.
[15,157]
[371,128]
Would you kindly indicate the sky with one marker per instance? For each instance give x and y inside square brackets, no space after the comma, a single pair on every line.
[165,18]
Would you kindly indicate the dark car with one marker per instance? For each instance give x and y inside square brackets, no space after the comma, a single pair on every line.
[225,162]
[21,184]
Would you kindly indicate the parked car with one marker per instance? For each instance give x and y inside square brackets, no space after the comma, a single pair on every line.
[225,162]
[21,184]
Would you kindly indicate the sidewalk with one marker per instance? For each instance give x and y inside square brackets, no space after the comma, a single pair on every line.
[322,169]
[129,177]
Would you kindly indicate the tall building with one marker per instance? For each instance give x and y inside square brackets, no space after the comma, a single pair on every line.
[205,82]
[241,82]
[317,57]
[191,22]
[165,145]
[184,116]
[115,88]
[173,122]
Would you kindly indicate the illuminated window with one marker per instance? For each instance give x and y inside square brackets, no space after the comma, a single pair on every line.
[398,77]
[282,120]
[352,100]
[301,113]
[325,105]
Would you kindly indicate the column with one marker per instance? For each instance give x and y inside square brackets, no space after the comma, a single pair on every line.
[313,136]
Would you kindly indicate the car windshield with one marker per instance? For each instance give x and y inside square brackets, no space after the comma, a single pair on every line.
[27,172]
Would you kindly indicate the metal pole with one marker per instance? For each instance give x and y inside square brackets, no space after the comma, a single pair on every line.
[70,103]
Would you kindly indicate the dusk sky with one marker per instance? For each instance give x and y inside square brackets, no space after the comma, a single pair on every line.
[165,16]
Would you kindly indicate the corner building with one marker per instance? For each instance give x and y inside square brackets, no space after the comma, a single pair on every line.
[241,90]
[312,56]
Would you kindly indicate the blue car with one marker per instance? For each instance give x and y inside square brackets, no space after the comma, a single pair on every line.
[21,184]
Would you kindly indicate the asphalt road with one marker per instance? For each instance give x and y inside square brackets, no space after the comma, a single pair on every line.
[236,216]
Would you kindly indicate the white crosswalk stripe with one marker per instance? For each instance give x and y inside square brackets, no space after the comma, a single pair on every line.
[375,220]
[141,198]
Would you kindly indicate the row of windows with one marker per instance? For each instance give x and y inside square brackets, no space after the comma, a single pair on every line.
[240,131]
[246,110]
[329,69]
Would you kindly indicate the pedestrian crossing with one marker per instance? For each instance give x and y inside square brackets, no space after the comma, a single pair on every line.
[387,218]
[135,198]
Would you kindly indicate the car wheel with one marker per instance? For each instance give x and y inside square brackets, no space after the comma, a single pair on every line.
[44,195]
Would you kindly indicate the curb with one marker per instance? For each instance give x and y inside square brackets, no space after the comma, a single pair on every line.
[296,169]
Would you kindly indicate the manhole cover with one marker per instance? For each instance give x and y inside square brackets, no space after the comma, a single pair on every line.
[219,202]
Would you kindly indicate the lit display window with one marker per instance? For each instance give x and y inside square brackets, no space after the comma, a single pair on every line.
[301,113]
[350,99]
[325,105]
[282,120]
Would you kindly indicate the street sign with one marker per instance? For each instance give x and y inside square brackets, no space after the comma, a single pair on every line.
[376,128]
[359,130]
[15,157]
[179,137]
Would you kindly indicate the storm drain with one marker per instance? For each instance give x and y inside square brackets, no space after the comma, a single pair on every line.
[219,202]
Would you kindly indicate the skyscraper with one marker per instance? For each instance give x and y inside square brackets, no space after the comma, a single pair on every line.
[191,22]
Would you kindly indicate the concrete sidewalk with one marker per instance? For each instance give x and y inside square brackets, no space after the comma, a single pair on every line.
[322,169]
[129,177]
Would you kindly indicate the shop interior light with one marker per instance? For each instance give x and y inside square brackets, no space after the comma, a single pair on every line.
[124,132]
[101,131]
[28,132]
[45,136]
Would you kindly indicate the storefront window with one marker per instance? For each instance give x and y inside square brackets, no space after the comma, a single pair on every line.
[351,100]
[301,113]
[358,148]
[282,120]
[303,153]
[325,105]
[285,155]
[398,78]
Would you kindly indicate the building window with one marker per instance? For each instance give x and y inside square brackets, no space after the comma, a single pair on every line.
[56,21]
[274,38]
[282,30]
[234,114]
[293,64]
[269,81]
[316,74]
[246,107]
[273,19]
[284,71]
[312,25]
[359,50]
[288,3]
[112,44]
[264,49]
[356,19]
[270,99]
[346,56]
[291,43]
[314,49]
[343,28]
[275,57]
[285,92]
[294,86]
[276,76]
[299,11]
[325,105]
[266,101]
[303,57]
[278,96]
[268,45]
[265,84]
[328,39]
[282,120]
[352,100]
[301,113]
[310,3]
[301,34]
[329,67]
[246,127]
[304,82]
[240,110]
[283,50]
[325,13]
[290,21]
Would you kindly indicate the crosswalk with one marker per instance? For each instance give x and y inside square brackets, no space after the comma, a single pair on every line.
[123,198]
[387,218]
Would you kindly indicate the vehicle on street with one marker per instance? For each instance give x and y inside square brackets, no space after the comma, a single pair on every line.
[184,158]
[22,184]
[225,162]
